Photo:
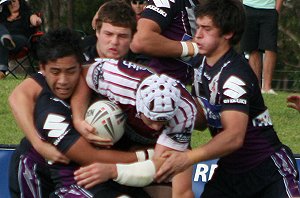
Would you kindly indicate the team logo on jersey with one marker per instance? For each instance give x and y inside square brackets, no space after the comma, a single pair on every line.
[163,3]
[133,65]
[96,75]
[262,119]
[157,9]
[182,137]
[234,89]
[56,126]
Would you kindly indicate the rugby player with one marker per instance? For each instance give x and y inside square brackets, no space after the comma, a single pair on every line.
[253,161]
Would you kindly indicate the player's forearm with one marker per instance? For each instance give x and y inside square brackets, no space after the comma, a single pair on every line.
[148,40]
[219,146]
[22,102]
[80,100]
[155,44]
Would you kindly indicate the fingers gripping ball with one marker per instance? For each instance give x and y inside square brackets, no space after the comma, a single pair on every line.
[107,118]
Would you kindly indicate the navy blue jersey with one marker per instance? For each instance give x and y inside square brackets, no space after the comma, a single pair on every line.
[53,121]
[232,85]
[177,22]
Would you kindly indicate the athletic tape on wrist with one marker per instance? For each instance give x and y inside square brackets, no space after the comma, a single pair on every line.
[150,153]
[185,49]
[144,155]
[141,156]
[196,49]
[138,174]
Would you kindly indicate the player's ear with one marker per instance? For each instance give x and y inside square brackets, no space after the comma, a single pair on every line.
[228,36]
[42,67]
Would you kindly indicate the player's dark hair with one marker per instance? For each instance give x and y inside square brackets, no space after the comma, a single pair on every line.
[117,13]
[227,15]
[59,43]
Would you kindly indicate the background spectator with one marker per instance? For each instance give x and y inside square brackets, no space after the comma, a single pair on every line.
[16,20]
[261,36]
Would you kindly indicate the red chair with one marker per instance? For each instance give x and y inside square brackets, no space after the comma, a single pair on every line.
[25,55]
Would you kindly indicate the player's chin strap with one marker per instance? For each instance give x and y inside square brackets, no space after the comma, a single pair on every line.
[138,174]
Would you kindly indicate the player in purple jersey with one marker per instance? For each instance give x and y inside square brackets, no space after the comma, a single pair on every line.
[253,162]
[160,112]
[164,32]
[60,62]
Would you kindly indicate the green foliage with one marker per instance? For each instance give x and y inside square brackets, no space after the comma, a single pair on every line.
[83,14]
[289,43]
[285,120]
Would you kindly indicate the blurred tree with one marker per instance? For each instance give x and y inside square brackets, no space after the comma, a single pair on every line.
[288,63]
[76,14]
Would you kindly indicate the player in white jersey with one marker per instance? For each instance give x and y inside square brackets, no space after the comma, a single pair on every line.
[160,112]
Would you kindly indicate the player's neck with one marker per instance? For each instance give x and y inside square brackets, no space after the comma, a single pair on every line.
[213,58]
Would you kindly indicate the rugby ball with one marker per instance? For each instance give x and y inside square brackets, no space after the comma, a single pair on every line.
[107,118]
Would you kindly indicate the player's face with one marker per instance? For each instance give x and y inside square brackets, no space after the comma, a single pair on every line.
[113,41]
[155,125]
[62,76]
[209,39]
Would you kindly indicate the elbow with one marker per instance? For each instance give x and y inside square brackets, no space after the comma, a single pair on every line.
[139,43]
[237,143]
[136,47]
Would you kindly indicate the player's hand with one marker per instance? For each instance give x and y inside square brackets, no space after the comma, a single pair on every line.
[175,163]
[96,173]
[90,134]
[293,101]
[51,154]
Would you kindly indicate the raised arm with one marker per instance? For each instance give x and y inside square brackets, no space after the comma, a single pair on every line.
[22,101]
[148,40]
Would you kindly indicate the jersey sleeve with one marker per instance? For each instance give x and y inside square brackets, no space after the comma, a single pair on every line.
[236,90]
[161,12]
[54,123]
[177,134]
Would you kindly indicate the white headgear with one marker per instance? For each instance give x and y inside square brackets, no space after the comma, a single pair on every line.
[157,97]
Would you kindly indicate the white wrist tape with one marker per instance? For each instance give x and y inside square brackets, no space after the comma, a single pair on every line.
[150,153]
[140,155]
[138,174]
[144,155]
[185,49]
[196,49]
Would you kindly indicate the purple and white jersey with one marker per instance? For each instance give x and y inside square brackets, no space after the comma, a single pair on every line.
[177,22]
[230,84]
[119,80]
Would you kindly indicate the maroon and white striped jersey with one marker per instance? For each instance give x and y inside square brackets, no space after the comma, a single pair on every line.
[118,80]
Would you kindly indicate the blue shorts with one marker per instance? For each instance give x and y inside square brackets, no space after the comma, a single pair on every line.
[261,30]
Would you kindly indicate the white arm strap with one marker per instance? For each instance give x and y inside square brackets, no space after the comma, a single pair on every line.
[144,155]
[138,174]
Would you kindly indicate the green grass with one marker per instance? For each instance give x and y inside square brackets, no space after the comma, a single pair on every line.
[285,120]
[10,133]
